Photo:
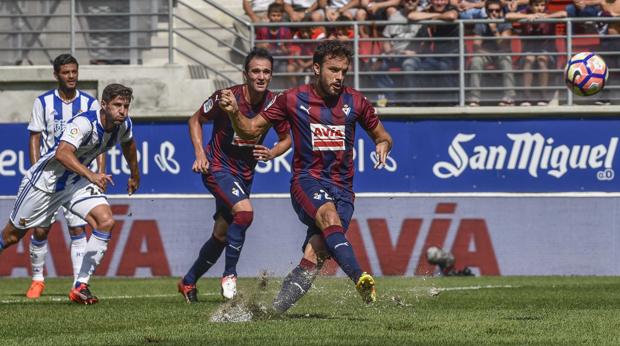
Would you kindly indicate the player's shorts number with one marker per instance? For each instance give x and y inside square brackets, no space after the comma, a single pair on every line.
[93,190]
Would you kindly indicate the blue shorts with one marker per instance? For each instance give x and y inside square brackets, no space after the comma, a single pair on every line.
[309,194]
[228,190]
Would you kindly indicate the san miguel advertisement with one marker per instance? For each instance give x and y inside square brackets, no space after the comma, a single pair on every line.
[568,155]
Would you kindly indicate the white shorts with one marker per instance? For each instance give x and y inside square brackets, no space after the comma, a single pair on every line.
[72,219]
[37,208]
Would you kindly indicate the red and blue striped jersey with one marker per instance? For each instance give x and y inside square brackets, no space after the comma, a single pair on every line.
[323,131]
[226,151]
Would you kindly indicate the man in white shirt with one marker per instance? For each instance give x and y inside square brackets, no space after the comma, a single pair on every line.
[62,178]
[51,112]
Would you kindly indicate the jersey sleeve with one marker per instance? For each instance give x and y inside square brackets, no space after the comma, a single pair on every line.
[368,119]
[37,121]
[282,127]
[208,110]
[94,106]
[128,133]
[77,131]
[275,111]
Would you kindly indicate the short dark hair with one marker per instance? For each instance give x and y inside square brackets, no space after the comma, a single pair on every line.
[64,59]
[493,2]
[331,48]
[114,90]
[275,7]
[260,53]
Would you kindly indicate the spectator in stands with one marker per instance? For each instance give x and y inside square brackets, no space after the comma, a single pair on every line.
[299,10]
[309,37]
[256,10]
[272,33]
[501,44]
[401,43]
[470,9]
[610,42]
[438,10]
[342,33]
[377,9]
[330,10]
[538,49]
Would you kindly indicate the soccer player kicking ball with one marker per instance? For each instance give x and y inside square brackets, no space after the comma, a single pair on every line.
[227,166]
[322,116]
[61,178]
[50,114]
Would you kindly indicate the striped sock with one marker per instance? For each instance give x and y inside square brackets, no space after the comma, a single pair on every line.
[95,248]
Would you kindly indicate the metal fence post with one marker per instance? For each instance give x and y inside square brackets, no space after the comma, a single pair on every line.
[72,27]
[170,32]
[569,52]
[461,64]
[356,56]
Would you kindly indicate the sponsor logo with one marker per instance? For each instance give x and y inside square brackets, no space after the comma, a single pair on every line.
[165,159]
[303,108]
[532,152]
[73,132]
[206,107]
[327,137]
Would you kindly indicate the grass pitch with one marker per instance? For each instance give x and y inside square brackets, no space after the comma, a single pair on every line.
[487,310]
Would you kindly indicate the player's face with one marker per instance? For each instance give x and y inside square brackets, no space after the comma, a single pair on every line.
[258,75]
[331,74]
[67,76]
[117,109]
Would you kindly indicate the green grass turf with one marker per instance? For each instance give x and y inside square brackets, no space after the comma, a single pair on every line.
[469,311]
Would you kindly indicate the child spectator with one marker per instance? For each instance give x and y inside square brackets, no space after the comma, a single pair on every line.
[537,49]
[274,13]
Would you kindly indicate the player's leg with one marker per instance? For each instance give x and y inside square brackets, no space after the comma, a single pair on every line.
[90,204]
[242,216]
[10,236]
[208,255]
[38,252]
[233,193]
[299,281]
[77,232]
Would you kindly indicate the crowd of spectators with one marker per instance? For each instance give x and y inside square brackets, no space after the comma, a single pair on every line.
[423,58]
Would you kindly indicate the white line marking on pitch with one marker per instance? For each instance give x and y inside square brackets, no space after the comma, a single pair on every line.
[471,288]
[63,299]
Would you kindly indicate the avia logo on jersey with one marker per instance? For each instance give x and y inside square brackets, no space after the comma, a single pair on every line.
[240,142]
[529,151]
[327,137]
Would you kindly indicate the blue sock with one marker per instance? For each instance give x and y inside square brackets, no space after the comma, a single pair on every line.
[235,238]
[209,253]
[342,251]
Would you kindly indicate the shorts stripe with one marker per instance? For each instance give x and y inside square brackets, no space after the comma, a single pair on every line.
[20,199]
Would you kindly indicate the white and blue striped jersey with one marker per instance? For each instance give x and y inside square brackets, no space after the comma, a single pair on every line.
[51,113]
[87,135]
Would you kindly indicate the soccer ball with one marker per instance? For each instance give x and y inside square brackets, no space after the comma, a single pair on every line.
[586,74]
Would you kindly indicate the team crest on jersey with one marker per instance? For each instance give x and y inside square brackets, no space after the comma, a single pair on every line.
[327,137]
[346,109]
[59,126]
[206,107]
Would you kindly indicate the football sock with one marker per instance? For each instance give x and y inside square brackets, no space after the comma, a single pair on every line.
[38,251]
[95,248]
[295,285]
[209,253]
[78,246]
[235,238]
[342,251]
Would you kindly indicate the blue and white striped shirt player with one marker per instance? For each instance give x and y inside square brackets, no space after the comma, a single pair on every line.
[87,135]
[50,114]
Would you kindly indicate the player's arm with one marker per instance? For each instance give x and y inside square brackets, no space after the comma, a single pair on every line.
[34,145]
[101,163]
[201,164]
[36,126]
[65,154]
[245,127]
[263,153]
[130,153]
[383,143]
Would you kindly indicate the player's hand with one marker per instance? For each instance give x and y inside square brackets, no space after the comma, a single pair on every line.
[382,150]
[132,184]
[262,153]
[228,102]
[201,164]
[100,179]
